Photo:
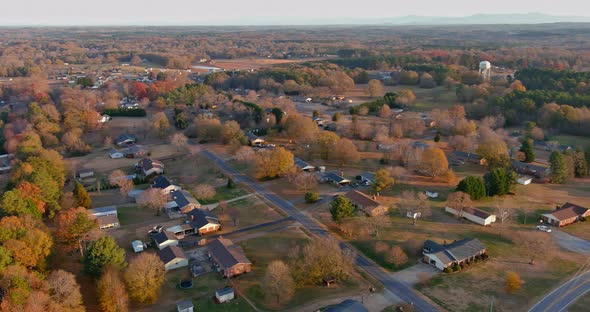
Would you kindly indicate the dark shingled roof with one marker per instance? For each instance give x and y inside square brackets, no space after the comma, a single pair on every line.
[299,163]
[147,164]
[568,211]
[170,253]
[125,137]
[456,251]
[163,236]
[465,155]
[334,177]
[162,182]
[183,198]
[347,305]
[362,199]
[200,217]
[226,253]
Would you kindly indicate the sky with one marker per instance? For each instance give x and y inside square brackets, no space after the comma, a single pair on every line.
[253,12]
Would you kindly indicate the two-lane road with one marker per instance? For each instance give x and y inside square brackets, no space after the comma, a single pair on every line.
[566,294]
[399,289]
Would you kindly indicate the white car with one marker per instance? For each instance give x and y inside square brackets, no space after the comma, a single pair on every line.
[543,228]
[431,194]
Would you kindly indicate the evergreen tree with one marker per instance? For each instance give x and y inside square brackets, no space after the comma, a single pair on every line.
[341,208]
[527,149]
[101,253]
[230,183]
[81,195]
[473,186]
[580,164]
[498,182]
[437,137]
[559,169]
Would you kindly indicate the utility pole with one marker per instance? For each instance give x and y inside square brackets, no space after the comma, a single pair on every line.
[492,305]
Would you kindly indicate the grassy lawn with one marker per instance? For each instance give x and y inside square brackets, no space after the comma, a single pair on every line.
[368,249]
[134,214]
[579,229]
[572,140]
[276,246]
[223,193]
[246,212]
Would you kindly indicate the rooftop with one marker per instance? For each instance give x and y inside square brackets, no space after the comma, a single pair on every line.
[170,253]
[163,237]
[568,211]
[226,253]
[361,199]
[456,251]
[102,210]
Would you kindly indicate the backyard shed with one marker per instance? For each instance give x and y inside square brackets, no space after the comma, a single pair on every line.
[224,295]
[185,306]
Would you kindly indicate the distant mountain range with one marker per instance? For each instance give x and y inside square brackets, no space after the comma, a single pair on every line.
[528,18]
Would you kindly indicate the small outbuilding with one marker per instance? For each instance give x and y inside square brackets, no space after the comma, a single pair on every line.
[224,295]
[524,180]
[185,306]
[115,154]
[137,246]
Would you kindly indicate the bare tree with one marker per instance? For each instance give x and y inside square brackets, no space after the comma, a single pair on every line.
[414,205]
[396,255]
[65,290]
[459,201]
[152,198]
[278,282]
[179,140]
[205,191]
[305,181]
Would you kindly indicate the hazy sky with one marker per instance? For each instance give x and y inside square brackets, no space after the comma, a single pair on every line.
[199,12]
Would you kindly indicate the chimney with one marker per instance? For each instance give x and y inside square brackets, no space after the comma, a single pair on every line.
[444,243]
[342,174]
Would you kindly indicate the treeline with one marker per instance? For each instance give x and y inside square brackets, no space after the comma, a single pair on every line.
[375,62]
[554,80]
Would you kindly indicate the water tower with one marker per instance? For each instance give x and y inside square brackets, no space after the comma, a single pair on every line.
[485,70]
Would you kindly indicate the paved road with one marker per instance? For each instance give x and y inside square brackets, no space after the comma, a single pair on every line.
[399,289]
[571,242]
[566,294]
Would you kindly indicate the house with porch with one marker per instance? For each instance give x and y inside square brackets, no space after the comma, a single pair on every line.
[567,214]
[203,221]
[162,182]
[302,165]
[183,201]
[335,178]
[149,167]
[456,253]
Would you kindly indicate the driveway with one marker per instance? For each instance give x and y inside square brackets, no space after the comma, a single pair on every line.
[412,275]
[571,242]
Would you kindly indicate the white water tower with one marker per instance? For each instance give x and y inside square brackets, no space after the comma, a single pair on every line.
[485,70]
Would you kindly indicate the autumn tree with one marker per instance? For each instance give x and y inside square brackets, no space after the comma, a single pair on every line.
[272,163]
[414,204]
[179,140]
[160,124]
[65,291]
[112,296]
[341,208]
[434,162]
[25,241]
[72,225]
[81,196]
[144,277]
[120,179]
[374,88]
[301,129]
[383,180]
[494,151]
[278,283]
[102,253]
[513,282]
[231,133]
[317,259]
[345,152]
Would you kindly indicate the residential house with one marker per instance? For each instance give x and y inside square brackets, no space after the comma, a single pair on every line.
[125,139]
[185,306]
[335,178]
[524,180]
[136,151]
[165,239]
[302,165]
[365,203]
[203,221]
[467,157]
[165,185]
[85,174]
[180,231]
[229,258]
[115,153]
[5,162]
[183,201]
[173,257]
[106,217]
[224,295]
[366,178]
[348,305]
[473,214]
[254,140]
[444,256]
[539,173]
[567,214]
[148,167]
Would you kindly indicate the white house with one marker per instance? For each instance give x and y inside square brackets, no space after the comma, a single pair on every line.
[106,217]
[474,215]
[224,295]
[185,306]
[165,185]
[447,255]
[114,154]
[173,258]
[165,239]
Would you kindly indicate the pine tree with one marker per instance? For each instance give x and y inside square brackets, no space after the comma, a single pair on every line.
[437,137]
[341,208]
[473,186]
[559,169]
[527,149]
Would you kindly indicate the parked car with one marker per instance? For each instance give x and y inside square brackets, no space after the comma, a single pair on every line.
[543,228]
[431,194]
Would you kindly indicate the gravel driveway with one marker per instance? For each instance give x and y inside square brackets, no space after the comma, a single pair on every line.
[571,242]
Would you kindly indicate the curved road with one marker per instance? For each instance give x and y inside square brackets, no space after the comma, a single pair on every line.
[566,294]
[399,289]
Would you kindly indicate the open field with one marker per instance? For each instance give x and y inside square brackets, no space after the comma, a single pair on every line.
[572,140]
[256,63]
[244,213]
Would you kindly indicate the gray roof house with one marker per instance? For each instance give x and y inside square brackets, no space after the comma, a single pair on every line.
[302,165]
[165,185]
[443,256]
[229,258]
[185,202]
[335,178]
[125,139]
[203,221]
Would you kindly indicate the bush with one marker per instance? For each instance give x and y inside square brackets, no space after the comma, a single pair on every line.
[230,183]
[125,112]
[448,270]
[311,197]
